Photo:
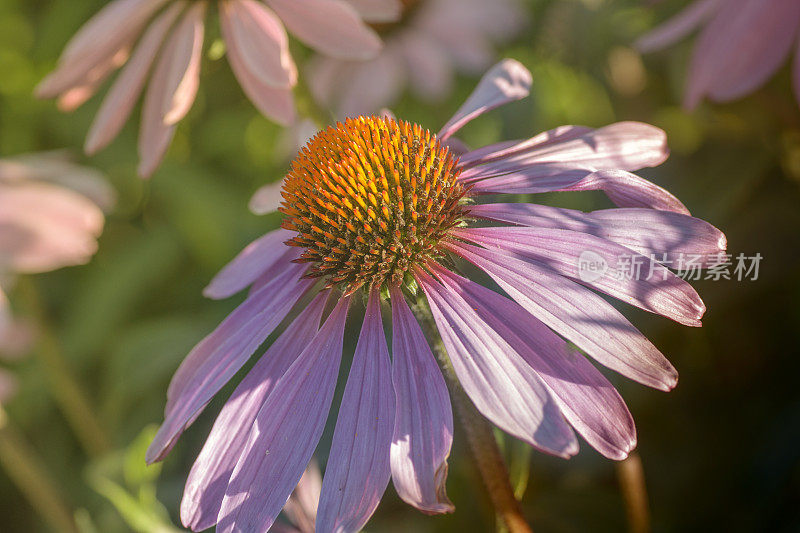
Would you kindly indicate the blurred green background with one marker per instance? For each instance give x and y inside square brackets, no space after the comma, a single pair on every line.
[720,452]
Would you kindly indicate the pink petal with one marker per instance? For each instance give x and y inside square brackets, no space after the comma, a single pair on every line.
[423,425]
[741,48]
[378,10]
[44,227]
[285,433]
[499,382]
[208,479]
[679,26]
[183,76]
[428,66]
[624,146]
[260,42]
[331,27]
[175,77]
[274,103]
[256,258]
[221,354]
[656,289]
[267,199]
[119,102]
[372,85]
[110,30]
[646,231]
[577,314]
[505,82]
[629,190]
[358,468]
[585,397]
[301,508]
[75,97]
[505,149]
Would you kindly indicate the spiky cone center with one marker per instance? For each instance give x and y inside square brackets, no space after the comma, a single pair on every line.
[370,199]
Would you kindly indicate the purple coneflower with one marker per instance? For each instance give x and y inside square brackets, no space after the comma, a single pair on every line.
[381,207]
[742,44]
[422,50]
[166,37]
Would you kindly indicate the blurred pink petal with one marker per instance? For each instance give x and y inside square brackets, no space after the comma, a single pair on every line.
[332,27]
[112,29]
[373,82]
[679,26]
[260,42]
[44,227]
[266,199]
[75,97]
[742,44]
[433,40]
[172,89]
[56,167]
[258,52]
[119,102]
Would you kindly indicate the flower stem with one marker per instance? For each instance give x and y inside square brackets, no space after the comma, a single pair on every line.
[634,491]
[66,390]
[480,435]
[26,471]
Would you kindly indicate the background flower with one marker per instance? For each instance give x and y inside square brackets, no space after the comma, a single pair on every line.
[163,40]
[741,45]
[433,40]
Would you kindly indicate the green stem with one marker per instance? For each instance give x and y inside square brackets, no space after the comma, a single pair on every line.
[634,492]
[26,471]
[480,435]
[65,388]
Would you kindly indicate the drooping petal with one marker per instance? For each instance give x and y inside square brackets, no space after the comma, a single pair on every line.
[76,96]
[626,275]
[629,190]
[577,314]
[119,102]
[505,82]
[678,26]
[377,10]
[741,48]
[624,145]
[44,227]
[661,234]
[256,258]
[285,433]
[260,42]
[585,397]
[172,88]
[358,468]
[183,77]
[222,353]
[332,27]
[499,382]
[423,424]
[113,28]
[208,479]
[273,102]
